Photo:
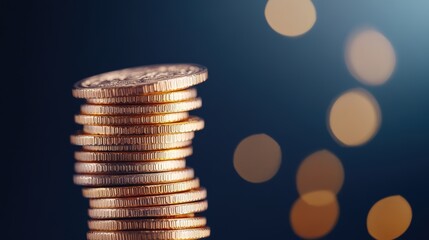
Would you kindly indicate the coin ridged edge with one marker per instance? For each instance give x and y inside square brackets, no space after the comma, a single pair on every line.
[190,125]
[130,119]
[183,234]
[133,167]
[160,108]
[153,224]
[167,97]
[143,190]
[86,139]
[158,211]
[137,148]
[178,153]
[133,179]
[156,200]
[165,85]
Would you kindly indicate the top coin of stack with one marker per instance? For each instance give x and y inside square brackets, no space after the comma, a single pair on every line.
[136,135]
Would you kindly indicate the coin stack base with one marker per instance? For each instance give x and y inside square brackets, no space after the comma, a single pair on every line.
[137,133]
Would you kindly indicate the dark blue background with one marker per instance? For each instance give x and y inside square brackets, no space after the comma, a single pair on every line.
[260,82]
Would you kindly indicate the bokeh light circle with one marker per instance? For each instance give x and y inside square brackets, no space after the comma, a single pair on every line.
[313,222]
[370,57]
[389,218]
[290,17]
[321,171]
[257,158]
[319,197]
[354,118]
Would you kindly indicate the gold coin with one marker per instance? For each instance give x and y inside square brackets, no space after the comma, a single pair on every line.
[151,223]
[160,108]
[157,211]
[190,125]
[176,96]
[169,154]
[156,200]
[133,167]
[183,234]
[143,190]
[134,179]
[141,80]
[134,148]
[130,120]
[86,139]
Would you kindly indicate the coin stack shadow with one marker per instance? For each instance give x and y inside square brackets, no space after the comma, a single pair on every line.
[133,169]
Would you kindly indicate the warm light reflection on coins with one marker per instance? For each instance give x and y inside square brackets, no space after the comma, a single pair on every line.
[312,222]
[147,223]
[141,80]
[133,179]
[141,109]
[321,171]
[136,135]
[176,96]
[389,218]
[167,199]
[290,17]
[257,158]
[87,156]
[136,148]
[190,125]
[354,118]
[183,234]
[132,167]
[141,190]
[131,119]
[145,212]
[370,56]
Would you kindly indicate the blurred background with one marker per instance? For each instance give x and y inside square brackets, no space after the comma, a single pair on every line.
[314,111]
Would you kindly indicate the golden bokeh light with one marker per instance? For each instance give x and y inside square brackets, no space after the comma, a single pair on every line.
[290,17]
[257,158]
[319,197]
[312,222]
[322,173]
[354,118]
[389,218]
[370,57]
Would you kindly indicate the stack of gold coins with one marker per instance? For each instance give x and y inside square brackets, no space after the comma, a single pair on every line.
[136,135]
